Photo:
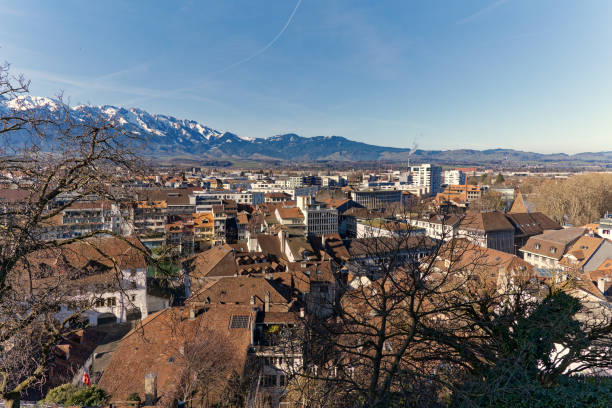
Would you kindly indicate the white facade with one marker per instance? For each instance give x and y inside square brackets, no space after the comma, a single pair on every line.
[454,177]
[427,175]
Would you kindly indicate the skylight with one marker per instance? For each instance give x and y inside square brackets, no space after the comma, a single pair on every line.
[239,322]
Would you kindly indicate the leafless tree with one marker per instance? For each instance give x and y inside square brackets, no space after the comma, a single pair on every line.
[48,161]
[409,330]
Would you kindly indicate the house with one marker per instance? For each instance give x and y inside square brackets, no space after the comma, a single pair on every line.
[155,359]
[437,226]
[203,230]
[586,254]
[527,225]
[105,276]
[546,250]
[604,228]
[488,229]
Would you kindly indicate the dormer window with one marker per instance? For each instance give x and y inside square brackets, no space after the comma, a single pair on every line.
[553,250]
[537,246]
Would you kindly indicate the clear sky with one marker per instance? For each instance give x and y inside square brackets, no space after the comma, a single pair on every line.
[525,74]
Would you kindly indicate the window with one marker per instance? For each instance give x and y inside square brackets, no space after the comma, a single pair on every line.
[269,380]
[110,302]
[99,303]
[133,298]
[537,246]
[553,250]
[239,322]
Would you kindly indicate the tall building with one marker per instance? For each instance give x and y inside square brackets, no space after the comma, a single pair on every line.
[427,175]
[454,177]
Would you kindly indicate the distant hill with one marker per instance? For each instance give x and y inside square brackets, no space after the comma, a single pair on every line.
[169,137]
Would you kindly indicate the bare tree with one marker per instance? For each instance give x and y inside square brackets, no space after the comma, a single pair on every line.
[51,160]
[206,360]
[410,330]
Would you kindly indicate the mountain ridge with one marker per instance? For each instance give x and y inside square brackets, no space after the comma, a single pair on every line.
[168,136]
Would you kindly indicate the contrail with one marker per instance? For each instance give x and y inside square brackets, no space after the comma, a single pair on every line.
[264,49]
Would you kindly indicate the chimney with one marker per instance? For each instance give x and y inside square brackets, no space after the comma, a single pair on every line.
[150,389]
[267,302]
[601,285]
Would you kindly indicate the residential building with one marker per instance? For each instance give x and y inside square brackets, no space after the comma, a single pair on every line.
[454,177]
[489,229]
[545,251]
[427,175]
[604,228]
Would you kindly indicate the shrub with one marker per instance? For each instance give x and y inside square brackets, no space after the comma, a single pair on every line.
[89,397]
[60,394]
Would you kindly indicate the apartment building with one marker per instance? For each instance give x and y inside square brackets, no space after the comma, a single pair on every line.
[318,217]
[454,177]
[427,175]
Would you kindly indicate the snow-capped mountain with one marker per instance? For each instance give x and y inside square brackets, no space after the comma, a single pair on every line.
[169,137]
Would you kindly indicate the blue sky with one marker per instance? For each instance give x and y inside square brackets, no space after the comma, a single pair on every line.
[524,74]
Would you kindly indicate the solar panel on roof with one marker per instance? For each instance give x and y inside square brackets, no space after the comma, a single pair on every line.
[239,322]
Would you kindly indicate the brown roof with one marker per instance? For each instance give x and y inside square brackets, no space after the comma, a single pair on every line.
[217,261]
[487,221]
[518,206]
[581,251]
[156,347]
[127,253]
[553,244]
[239,290]
[335,247]
[270,244]
[14,195]
[528,224]
[291,212]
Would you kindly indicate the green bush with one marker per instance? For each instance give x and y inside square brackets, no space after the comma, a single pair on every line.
[68,394]
[59,395]
[89,397]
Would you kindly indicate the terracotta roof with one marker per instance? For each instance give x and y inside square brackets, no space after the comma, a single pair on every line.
[127,253]
[155,347]
[335,247]
[290,213]
[581,251]
[217,261]
[270,244]
[239,290]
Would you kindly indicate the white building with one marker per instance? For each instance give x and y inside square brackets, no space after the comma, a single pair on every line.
[427,175]
[454,177]
[319,219]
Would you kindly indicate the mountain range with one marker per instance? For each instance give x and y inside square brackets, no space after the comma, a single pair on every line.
[169,137]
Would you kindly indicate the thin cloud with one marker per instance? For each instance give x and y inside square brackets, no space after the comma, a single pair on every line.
[264,49]
[142,93]
[481,12]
